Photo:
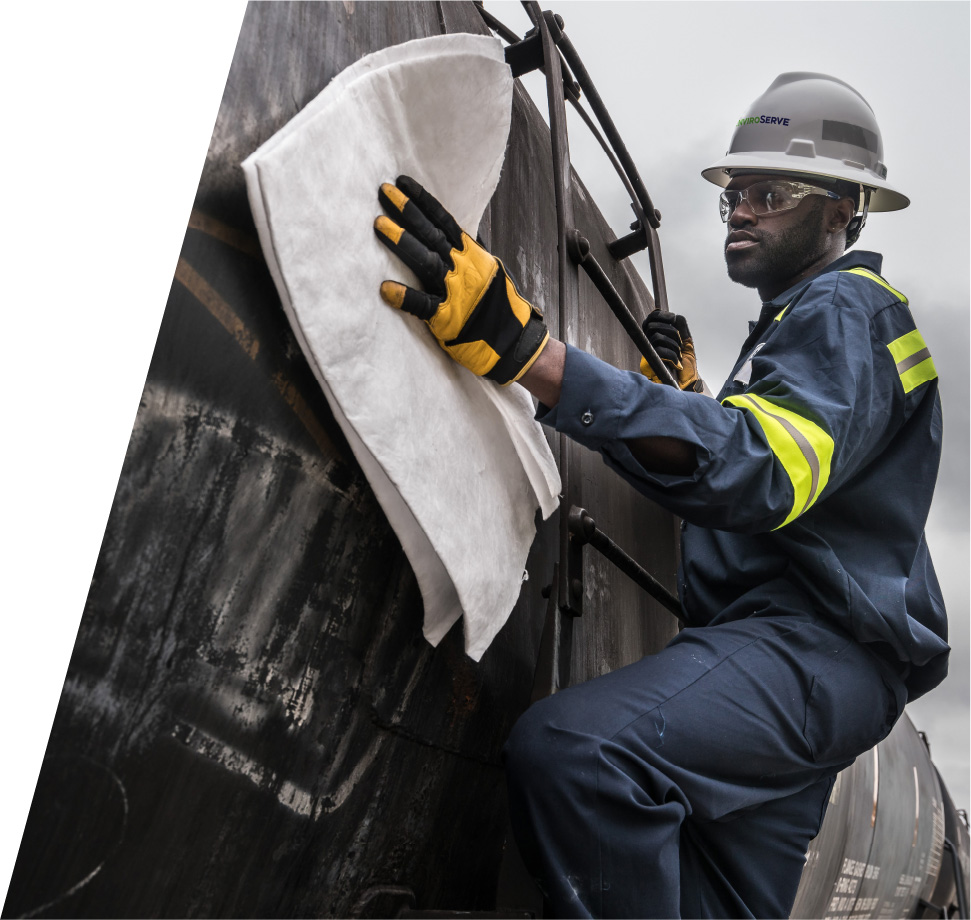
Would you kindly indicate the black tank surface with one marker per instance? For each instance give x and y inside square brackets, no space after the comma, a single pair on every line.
[251,723]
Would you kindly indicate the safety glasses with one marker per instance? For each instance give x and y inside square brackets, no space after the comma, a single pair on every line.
[769,197]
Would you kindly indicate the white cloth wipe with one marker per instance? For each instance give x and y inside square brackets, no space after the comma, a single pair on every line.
[458,464]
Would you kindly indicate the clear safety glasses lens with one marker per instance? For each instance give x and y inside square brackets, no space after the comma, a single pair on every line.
[769,197]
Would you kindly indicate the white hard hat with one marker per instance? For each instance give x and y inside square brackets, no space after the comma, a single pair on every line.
[813,125]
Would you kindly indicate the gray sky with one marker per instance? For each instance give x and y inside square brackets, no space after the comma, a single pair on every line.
[677,76]
[110,111]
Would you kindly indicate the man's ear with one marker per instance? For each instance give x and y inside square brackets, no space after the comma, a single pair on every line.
[841,214]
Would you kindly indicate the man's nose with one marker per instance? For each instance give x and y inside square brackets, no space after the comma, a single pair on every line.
[743,214]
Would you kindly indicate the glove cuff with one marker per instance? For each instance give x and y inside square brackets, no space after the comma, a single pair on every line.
[532,340]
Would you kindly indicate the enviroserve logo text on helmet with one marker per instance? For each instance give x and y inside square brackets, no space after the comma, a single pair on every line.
[763,120]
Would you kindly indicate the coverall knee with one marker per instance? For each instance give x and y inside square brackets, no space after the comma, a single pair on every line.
[691,782]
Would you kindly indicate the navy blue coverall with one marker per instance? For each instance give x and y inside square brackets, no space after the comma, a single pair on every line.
[691,782]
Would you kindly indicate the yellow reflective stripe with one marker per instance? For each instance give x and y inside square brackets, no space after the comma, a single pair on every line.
[873,276]
[913,359]
[783,313]
[906,345]
[910,352]
[918,374]
[801,446]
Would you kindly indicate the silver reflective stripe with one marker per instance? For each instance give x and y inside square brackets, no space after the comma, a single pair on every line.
[913,360]
[805,448]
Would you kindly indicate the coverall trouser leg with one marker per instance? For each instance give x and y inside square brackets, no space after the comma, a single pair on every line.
[691,782]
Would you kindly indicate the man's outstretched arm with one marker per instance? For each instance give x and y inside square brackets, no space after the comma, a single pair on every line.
[544,380]
[474,310]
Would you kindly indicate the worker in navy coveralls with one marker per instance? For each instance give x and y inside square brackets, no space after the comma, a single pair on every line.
[692,782]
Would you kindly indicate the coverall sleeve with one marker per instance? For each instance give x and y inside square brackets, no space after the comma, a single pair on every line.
[823,397]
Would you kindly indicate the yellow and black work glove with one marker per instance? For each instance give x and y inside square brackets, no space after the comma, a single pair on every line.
[469,302]
[668,333]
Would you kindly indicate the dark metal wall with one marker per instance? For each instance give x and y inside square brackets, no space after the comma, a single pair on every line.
[251,723]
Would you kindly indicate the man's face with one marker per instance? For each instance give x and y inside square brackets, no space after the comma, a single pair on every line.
[772,252]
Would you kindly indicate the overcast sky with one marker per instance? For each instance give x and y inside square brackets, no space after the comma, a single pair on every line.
[110,107]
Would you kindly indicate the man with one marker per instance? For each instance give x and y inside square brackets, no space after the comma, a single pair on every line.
[691,782]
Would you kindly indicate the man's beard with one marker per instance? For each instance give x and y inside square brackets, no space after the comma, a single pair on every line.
[777,258]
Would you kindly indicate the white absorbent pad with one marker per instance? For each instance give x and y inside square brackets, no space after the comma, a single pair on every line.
[458,464]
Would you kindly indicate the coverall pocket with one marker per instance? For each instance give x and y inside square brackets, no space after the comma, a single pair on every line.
[851,707]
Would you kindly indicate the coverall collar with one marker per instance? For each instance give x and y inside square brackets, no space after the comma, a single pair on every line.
[857,259]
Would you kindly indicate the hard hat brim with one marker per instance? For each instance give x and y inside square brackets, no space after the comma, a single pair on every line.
[884,198]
